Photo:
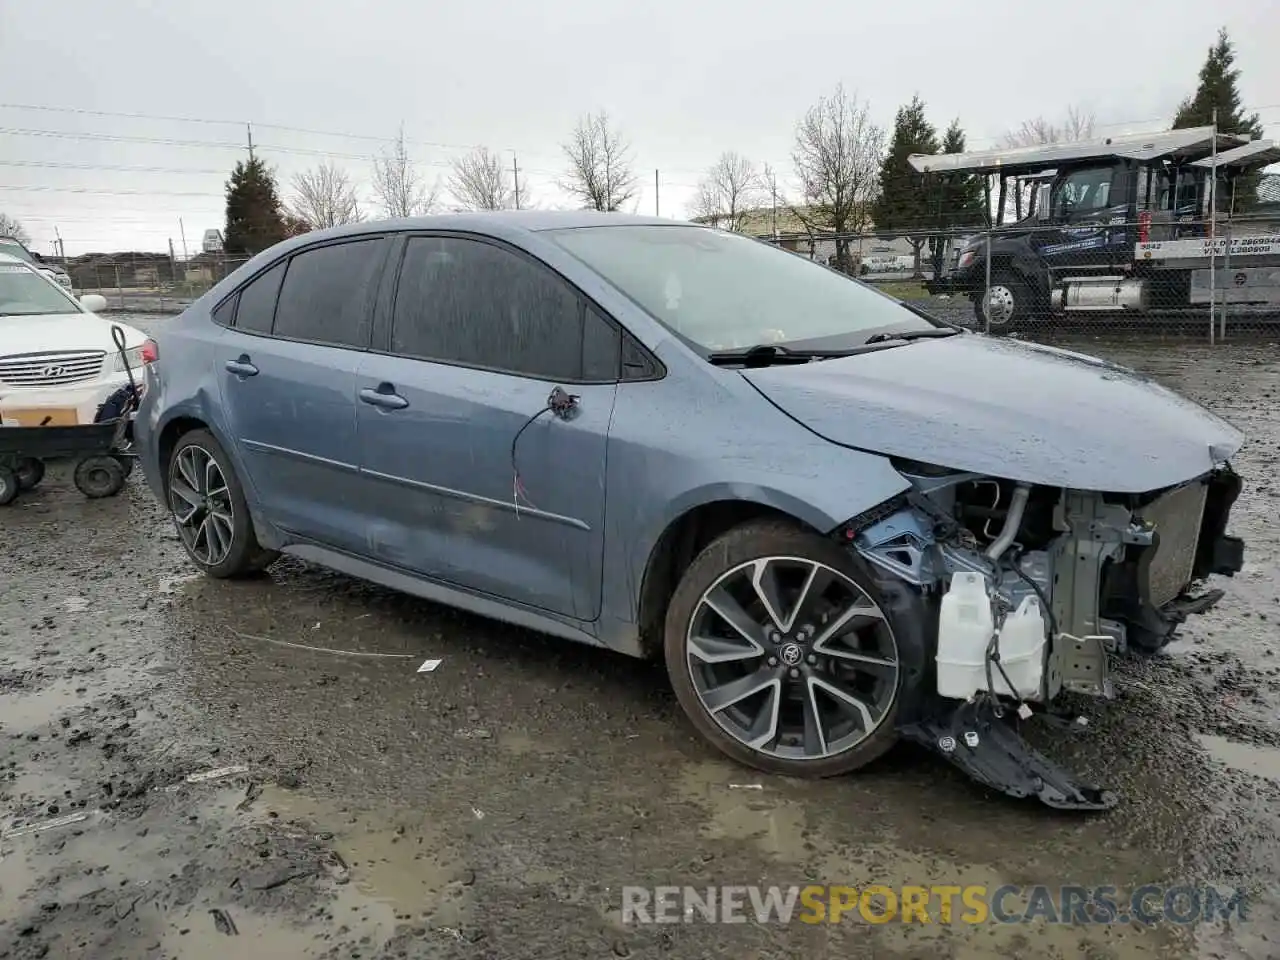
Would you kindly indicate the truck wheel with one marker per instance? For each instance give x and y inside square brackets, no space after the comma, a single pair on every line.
[781,654]
[98,477]
[8,486]
[1009,301]
[30,472]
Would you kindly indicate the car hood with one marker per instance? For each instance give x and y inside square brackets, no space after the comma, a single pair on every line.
[61,331]
[1006,409]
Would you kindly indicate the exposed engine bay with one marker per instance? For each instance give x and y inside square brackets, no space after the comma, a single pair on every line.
[1033,589]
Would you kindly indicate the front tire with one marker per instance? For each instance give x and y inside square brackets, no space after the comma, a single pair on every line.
[1011,302]
[782,654]
[209,511]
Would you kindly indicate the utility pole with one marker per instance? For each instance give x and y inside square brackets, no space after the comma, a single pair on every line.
[773,190]
[515,178]
[61,248]
[656,208]
[183,233]
[249,129]
[1213,231]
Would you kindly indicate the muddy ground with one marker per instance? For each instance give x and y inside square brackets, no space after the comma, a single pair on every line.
[494,808]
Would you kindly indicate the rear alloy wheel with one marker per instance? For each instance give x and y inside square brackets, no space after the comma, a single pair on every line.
[209,510]
[781,654]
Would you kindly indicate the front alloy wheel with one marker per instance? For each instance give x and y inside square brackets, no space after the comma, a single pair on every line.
[786,660]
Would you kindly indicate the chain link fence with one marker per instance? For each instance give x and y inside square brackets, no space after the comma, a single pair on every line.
[145,282]
[1214,280]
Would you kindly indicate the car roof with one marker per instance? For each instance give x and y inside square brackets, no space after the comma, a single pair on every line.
[496,222]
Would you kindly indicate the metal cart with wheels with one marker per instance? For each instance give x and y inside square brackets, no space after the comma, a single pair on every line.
[100,450]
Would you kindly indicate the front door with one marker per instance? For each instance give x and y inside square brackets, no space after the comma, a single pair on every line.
[1088,216]
[287,368]
[478,483]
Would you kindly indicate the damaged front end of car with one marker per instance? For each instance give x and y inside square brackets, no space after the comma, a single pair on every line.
[1029,591]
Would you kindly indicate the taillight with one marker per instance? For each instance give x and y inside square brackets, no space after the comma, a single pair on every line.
[1144,226]
[150,352]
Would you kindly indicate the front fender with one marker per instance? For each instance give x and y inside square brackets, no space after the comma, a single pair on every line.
[739,447]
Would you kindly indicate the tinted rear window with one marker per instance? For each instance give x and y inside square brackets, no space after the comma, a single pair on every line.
[258,301]
[327,294]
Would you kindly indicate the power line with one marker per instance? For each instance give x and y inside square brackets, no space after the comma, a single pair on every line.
[118,168]
[41,188]
[119,138]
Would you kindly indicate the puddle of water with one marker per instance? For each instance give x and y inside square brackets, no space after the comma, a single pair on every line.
[26,712]
[780,828]
[170,585]
[1245,757]
[396,858]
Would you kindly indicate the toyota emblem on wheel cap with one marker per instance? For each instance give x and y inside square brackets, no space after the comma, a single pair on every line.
[790,654]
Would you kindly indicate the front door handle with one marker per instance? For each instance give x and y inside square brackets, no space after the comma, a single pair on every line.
[385,397]
[241,367]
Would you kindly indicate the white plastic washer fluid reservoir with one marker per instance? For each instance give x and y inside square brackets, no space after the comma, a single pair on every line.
[966,624]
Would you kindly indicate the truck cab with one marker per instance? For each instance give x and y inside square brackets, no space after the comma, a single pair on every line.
[1081,213]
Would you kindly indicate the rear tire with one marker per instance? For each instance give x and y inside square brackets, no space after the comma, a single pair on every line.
[8,486]
[209,510]
[98,477]
[30,472]
[781,652]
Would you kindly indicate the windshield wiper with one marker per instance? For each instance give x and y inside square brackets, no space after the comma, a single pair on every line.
[770,354]
[912,335]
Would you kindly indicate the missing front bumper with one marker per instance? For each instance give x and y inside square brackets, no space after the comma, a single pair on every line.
[987,748]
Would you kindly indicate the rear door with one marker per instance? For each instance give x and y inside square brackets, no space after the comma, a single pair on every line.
[288,367]
[477,483]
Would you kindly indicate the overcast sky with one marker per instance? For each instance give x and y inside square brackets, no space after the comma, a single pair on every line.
[684,81]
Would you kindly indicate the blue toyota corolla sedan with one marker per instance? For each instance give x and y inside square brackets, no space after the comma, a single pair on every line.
[841,522]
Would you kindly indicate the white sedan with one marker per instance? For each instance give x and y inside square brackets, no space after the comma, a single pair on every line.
[58,361]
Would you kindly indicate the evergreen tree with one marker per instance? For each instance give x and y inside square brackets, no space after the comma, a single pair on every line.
[903,203]
[957,198]
[1217,89]
[255,217]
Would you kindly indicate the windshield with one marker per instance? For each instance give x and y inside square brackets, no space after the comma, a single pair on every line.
[25,293]
[15,249]
[723,291]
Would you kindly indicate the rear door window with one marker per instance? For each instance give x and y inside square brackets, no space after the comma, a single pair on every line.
[327,296]
[478,304]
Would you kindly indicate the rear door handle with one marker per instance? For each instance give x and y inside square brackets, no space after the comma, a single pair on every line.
[384,397]
[241,367]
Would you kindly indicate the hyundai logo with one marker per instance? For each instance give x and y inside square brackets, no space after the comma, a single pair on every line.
[53,371]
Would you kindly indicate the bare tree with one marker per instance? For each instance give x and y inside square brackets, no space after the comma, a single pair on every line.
[397,184]
[480,181]
[1078,124]
[12,227]
[728,191]
[837,156]
[324,197]
[600,170]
